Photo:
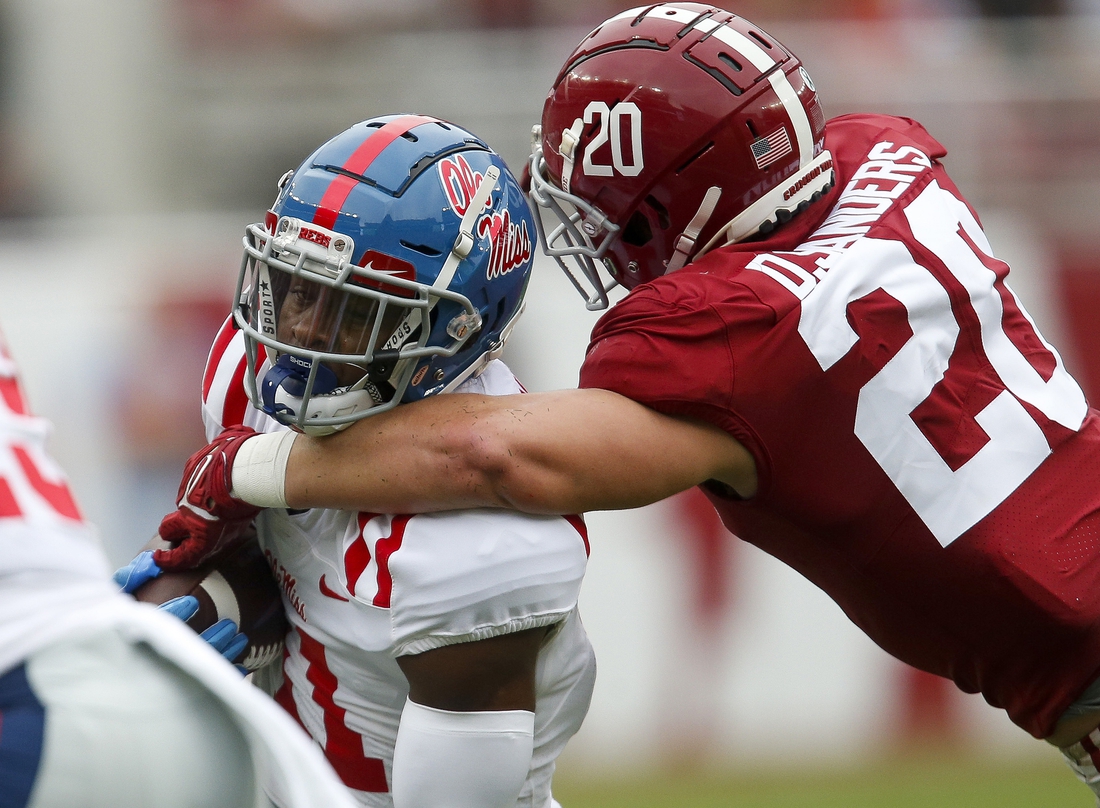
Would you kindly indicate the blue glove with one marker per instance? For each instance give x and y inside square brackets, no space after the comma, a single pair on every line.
[223,636]
[137,572]
[183,607]
[226,640]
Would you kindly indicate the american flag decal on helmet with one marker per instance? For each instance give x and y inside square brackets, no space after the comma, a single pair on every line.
[766,150]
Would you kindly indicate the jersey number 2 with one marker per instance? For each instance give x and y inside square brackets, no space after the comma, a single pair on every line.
[611,123]
[948,500]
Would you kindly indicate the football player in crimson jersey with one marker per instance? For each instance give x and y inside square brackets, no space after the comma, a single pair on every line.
[438,659]
[818,333]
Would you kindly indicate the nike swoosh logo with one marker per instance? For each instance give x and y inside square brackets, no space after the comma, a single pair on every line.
[391,272]
[329,593]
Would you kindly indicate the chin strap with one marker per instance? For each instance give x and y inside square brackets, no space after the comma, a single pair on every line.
[465,322]
[465,241]
[569,139]
[685,242]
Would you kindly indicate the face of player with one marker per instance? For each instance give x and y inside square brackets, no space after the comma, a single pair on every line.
[320,318]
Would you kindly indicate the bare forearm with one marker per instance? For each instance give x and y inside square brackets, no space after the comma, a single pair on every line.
[398,462]
[560,452]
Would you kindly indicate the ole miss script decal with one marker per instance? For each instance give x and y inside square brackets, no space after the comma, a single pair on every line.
[509,242]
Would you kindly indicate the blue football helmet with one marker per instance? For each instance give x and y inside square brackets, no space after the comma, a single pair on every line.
[391,267]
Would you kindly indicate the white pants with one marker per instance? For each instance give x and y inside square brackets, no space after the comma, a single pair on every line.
[126,729]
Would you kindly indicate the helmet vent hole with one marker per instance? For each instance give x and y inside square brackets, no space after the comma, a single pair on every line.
[695,157]
[752,130]
[663,219]
[760,39]
[637,232]
[691,25]
[729,60]
[423,249]
[380,124]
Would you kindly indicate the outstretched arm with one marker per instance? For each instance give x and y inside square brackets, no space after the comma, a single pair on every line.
[561,452]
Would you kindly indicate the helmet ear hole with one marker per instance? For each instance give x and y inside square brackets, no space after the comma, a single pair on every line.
[637,231]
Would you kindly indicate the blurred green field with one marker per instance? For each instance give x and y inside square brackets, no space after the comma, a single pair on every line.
[939,781]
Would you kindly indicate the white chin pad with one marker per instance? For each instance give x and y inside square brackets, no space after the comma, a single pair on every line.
[339,405]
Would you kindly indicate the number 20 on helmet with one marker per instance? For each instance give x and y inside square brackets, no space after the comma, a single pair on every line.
[671,129]
[391,267]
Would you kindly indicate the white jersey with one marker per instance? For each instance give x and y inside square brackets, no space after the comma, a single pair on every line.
[52,567]
[361,589]
[55,586]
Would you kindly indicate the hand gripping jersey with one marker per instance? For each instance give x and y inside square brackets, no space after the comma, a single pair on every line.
[923,456]
[361,589]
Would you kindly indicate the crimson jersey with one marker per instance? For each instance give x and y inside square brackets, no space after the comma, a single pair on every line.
[923,456]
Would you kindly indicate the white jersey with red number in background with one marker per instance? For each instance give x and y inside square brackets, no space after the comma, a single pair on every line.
[56,591]
[361,589]
[52,567]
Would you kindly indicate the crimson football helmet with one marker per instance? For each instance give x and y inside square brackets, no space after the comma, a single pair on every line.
[672,129]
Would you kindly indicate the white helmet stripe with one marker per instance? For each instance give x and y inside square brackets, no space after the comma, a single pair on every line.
[756,55]
[803,133]
[630,13]
[780,83]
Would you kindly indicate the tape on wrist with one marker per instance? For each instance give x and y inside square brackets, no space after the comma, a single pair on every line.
[259,469]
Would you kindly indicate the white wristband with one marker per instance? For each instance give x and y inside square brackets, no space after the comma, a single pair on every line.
[259,469]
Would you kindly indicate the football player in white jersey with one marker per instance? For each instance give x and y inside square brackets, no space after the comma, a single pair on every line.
[106,702]
[438,659]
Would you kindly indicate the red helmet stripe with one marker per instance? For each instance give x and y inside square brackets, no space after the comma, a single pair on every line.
[337,193]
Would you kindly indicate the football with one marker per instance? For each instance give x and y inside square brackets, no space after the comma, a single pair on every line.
[238,585]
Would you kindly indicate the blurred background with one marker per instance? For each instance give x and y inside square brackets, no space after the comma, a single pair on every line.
[138,137]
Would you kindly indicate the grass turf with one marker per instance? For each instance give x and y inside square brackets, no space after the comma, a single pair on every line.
[913,782]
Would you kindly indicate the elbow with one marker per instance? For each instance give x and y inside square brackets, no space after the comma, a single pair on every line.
[495,471]
[482,463]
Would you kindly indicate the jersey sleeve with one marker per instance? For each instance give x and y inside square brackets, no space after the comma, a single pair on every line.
[225,401]
[461,576]
[672,354]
